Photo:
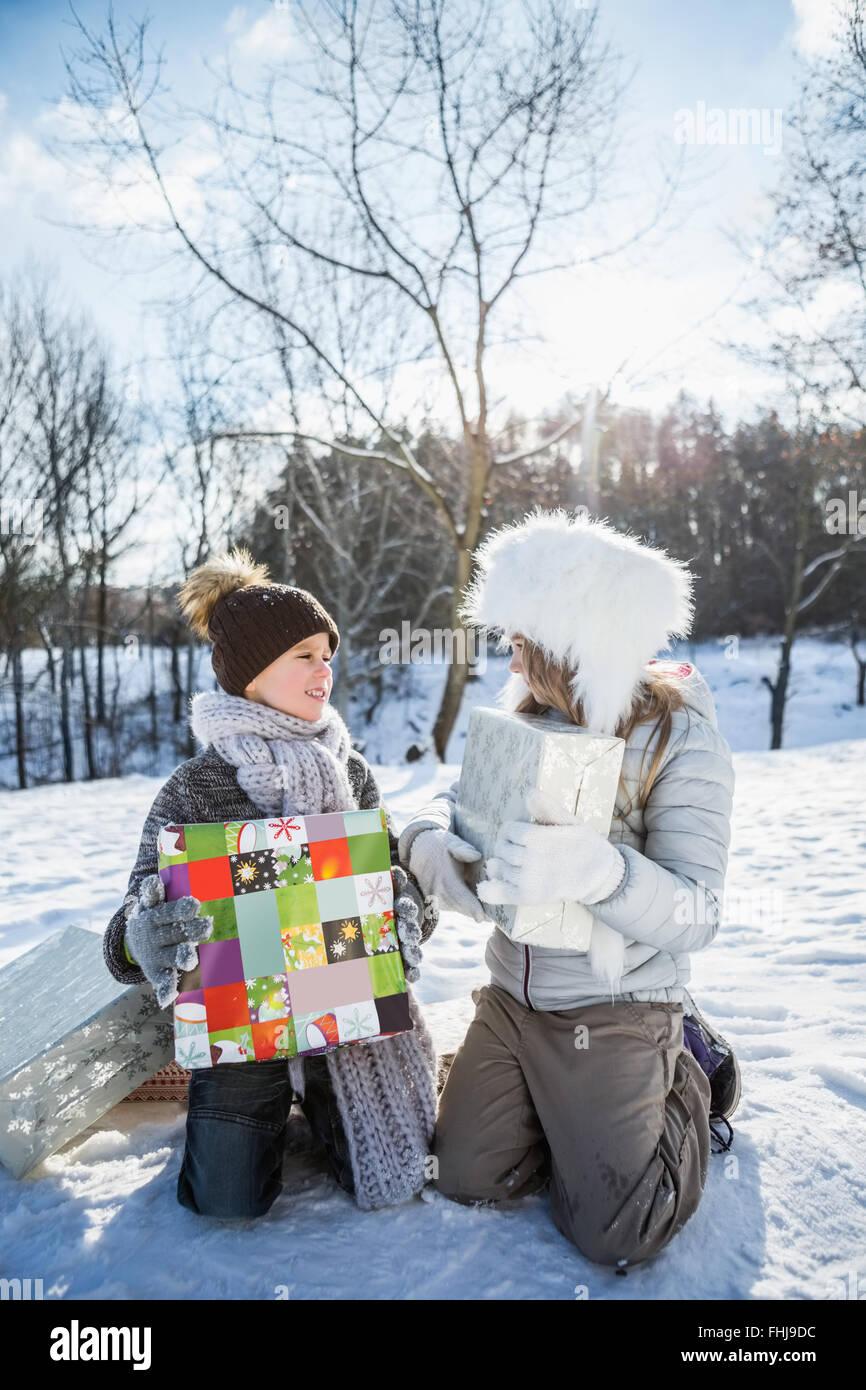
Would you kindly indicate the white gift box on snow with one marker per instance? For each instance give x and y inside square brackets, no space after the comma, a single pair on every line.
[73,1042]
[509,755]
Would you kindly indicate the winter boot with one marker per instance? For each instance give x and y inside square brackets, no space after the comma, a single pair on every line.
[716,1059]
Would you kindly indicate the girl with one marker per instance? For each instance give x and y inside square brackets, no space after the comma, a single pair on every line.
[574,1067]
[275,745]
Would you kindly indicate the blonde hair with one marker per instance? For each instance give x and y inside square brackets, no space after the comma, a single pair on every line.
[656,697]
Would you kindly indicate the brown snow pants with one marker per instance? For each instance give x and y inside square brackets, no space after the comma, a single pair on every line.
[602,1099]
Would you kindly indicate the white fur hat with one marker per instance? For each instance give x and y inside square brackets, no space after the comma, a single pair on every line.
[593,598]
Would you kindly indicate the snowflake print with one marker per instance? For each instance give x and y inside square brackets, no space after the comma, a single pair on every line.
[189,1055]
[338,948]
[357,1025]
[376,891]
[247,872]
[283,826]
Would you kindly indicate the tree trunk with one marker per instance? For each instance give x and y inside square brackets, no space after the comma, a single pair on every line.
[101,611]
[455,681]
[176,683]
[49,657]
[65,732]
[779,688]
[342,691]
[478,458]
[18,695]
[778,692]
[86,712]
[152,695]
[189,737]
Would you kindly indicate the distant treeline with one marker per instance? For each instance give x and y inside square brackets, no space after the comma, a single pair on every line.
[754,510]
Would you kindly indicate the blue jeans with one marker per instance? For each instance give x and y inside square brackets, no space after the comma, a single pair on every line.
[236,1133]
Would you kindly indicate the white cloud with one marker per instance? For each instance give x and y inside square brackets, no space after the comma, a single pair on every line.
[817,25]
[270,37]
[132,196]
[27,173]
[236,20]
[4,100]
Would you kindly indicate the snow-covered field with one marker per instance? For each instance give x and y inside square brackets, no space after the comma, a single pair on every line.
[783,1216]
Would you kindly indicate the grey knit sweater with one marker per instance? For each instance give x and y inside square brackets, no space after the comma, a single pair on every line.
[205,789]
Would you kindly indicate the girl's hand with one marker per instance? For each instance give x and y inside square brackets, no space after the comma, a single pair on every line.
[550,862]
[162,937]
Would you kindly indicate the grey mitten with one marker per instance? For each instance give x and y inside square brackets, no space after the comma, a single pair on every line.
[408,913]
[162,937]
[436,858]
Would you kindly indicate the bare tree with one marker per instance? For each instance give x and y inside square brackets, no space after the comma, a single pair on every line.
[67,397]
[813,300]
[363,539]
[855,636]
[68,476]
[19,541]
[801,581]
[417,164]
[205,490]
[813,257]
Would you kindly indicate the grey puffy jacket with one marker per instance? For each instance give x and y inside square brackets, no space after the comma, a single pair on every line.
[670,900]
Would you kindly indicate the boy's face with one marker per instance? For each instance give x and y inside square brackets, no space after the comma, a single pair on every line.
[298,682]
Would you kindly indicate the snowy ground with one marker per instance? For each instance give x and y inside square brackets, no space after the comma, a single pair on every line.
[784,1216]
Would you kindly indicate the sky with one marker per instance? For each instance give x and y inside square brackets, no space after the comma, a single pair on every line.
[654,320]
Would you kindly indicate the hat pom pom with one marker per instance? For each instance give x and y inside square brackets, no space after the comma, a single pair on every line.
[212,581]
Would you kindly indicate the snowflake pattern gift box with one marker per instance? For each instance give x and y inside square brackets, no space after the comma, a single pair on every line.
[73,1042]
[304,954]
[507,756]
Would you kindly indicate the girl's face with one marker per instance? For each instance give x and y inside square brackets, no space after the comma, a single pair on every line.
[516,663]
[517,643]
[298,682]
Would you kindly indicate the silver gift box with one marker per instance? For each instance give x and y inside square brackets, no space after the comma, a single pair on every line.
[509,755]
[73,1042]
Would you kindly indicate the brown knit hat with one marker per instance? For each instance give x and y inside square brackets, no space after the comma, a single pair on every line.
[251,621]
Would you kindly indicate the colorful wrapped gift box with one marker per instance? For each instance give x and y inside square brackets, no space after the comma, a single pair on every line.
[304,954]
[506,757]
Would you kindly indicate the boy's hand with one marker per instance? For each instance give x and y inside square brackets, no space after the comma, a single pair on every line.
[415,919]
[162,937]
[438,858]
[407,921]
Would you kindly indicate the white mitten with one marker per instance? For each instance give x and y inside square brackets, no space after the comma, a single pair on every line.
[438,859]
[551,862]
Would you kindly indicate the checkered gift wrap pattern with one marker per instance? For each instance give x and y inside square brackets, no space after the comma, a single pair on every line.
[304,954]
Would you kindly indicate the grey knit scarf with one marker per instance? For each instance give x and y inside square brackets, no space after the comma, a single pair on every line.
[284,763]
[385,1090]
